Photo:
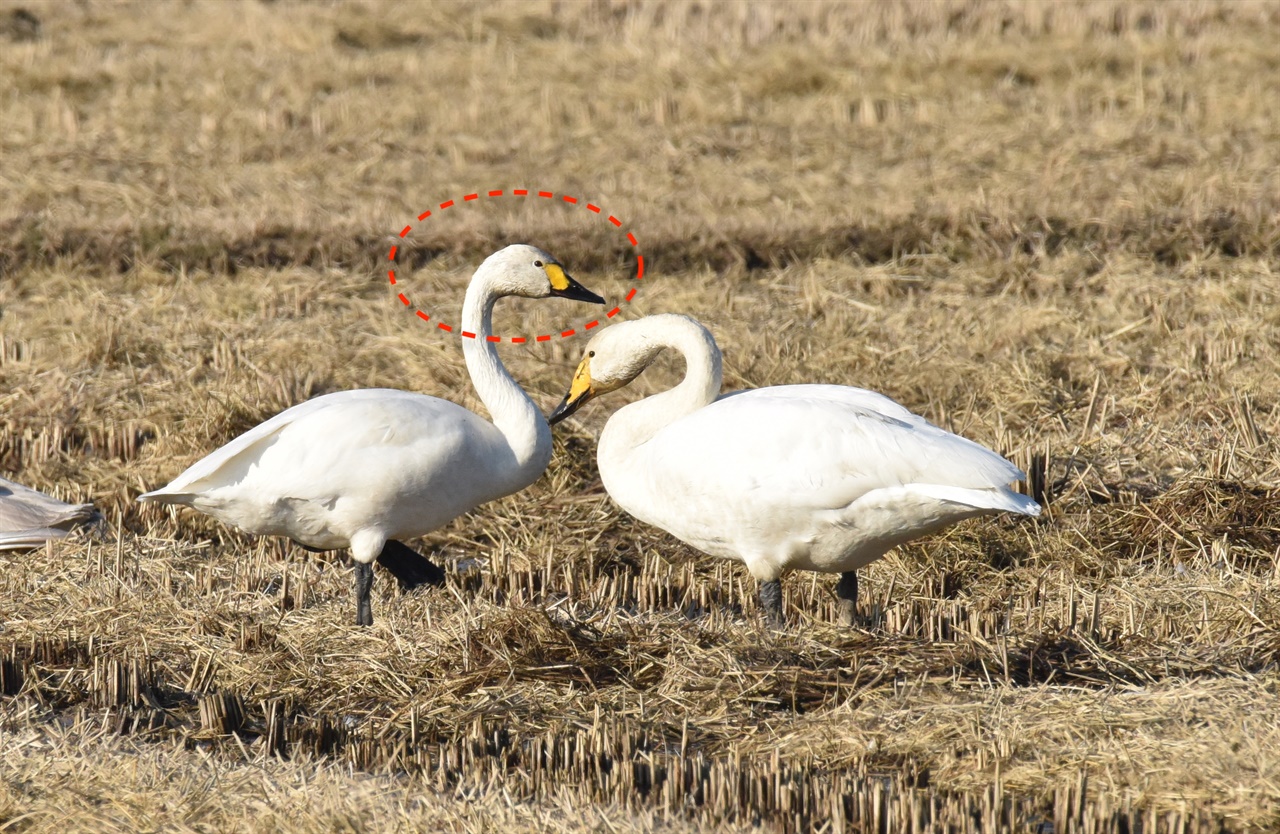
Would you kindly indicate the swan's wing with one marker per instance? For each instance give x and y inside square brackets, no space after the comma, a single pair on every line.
[910,446]
[816,447]
[411,443]
[248,447]
[25,510]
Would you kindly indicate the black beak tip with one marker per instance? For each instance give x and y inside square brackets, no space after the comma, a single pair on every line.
[577,292]
[563,410]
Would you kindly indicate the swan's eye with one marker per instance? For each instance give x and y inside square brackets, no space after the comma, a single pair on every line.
[538,264]
[590,353]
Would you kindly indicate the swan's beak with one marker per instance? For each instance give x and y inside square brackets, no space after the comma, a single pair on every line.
[580,390]
[563,286]
[563,410]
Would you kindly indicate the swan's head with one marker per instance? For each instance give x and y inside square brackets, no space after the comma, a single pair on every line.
[616,356]
[529,272]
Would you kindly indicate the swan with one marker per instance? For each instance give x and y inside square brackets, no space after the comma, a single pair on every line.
[366,469]
[811,477]
[29,518]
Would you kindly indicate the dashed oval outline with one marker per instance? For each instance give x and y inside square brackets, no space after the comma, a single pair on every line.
[517,192]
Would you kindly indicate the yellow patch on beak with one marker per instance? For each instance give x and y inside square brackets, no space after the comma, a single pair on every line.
[581,381]
[580,390]
[559,281]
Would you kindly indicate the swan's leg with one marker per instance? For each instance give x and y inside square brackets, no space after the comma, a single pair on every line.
[364,582]
[771,602]
[410,568]
[847,598]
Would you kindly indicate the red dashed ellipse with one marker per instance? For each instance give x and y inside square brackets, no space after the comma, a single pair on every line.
[517,340]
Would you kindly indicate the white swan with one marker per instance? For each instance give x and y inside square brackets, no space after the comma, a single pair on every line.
[29,518]
[366,469]
[812,477]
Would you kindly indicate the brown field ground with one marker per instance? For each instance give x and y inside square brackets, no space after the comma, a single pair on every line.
[1053,227]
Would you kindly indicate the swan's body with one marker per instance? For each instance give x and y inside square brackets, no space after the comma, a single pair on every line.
[322,471]
[812,477]
[29,518]
[366,469]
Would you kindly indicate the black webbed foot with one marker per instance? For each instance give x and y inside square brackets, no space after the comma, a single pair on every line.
[410,568]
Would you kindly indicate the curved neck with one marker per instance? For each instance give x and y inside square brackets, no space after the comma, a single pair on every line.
[510,408]
[637,423]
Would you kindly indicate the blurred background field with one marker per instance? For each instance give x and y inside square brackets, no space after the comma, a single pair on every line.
[1052,227]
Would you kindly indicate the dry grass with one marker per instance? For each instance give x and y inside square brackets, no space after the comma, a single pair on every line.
[1050,227]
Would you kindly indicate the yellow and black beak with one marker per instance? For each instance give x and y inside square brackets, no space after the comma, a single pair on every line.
[580,390]
[563,286]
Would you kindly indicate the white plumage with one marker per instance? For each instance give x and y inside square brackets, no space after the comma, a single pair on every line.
[366,469]
[812,477]
[29,518]
[322,470]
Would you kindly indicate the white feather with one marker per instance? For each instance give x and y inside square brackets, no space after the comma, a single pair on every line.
[816,477]
[359,468]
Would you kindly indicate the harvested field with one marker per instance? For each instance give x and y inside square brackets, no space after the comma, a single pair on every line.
[1053,228]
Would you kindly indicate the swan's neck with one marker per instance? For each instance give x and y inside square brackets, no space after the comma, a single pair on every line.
[510,408]
[635,424]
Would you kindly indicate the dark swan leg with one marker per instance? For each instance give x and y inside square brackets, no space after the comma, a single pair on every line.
[364,607]
[410,568]
[771,602]
[847,598]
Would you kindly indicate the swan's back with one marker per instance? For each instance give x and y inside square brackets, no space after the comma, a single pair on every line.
[850,432]
[830,442]
[814,474]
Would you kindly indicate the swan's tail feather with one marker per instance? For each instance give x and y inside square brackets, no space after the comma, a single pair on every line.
[160,496]
[999,499]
